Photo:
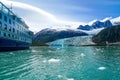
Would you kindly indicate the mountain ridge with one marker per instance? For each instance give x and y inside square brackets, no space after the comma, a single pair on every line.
[95,25]
[48,35]
[108,35]
[52,34]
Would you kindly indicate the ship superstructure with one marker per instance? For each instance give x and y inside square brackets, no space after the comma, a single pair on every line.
[14,32]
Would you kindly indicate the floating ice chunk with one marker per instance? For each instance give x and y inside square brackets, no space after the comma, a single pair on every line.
[82,55]
[34,51]
[97,49]
[58,48]
[11,52]
[50,51]
[102,68]
[53,60]
[44,61]
[70,79]
[60,76]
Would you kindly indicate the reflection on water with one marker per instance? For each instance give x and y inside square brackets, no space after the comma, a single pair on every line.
[69,63]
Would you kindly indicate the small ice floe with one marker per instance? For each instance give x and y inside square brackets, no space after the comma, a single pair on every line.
[44,61]
[34,51]
[82,55]
[11,53]
[52,60]
[58,48]
[97,49]
[59,76]
[102,68]
[50,51]
[70,79]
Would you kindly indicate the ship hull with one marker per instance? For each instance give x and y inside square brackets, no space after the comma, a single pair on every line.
[10,45]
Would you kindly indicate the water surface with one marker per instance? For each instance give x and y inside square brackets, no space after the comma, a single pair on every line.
[68,63]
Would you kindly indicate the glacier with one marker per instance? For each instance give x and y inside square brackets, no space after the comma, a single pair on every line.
[73,41]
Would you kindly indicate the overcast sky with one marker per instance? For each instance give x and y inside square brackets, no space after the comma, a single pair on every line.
[40,14]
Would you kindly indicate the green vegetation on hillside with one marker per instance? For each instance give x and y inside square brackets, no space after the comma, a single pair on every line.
[108,35]
[39,44]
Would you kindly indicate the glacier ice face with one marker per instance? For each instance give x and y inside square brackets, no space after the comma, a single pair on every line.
[73,41]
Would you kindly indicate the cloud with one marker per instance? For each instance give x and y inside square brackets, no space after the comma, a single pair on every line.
[27,7]
[79,8]
[37,18]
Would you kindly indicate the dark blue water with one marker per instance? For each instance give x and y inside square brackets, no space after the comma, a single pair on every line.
[68,63]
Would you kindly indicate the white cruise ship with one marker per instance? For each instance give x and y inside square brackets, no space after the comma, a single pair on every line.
[14,32]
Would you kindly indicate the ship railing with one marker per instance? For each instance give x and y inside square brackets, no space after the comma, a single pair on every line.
[21,21]
[5,9]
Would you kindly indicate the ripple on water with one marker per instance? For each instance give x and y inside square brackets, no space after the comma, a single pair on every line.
[70,63]
[12,69]
[19,69]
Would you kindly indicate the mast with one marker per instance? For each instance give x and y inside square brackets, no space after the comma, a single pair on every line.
[11,7]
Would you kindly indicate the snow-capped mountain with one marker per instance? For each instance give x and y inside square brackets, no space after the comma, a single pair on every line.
[96,25]
[105,23]
[115,21]
[52,34]
[48,35]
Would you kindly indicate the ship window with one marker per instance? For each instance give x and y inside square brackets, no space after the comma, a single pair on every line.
[4,34]
[9,35]
[0,15]
[5,26]
[9,21]
[5,18]
[17,31]
[10,29]
[13,30]
[14,23]
[13,36]
[13,17]
[0,24]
